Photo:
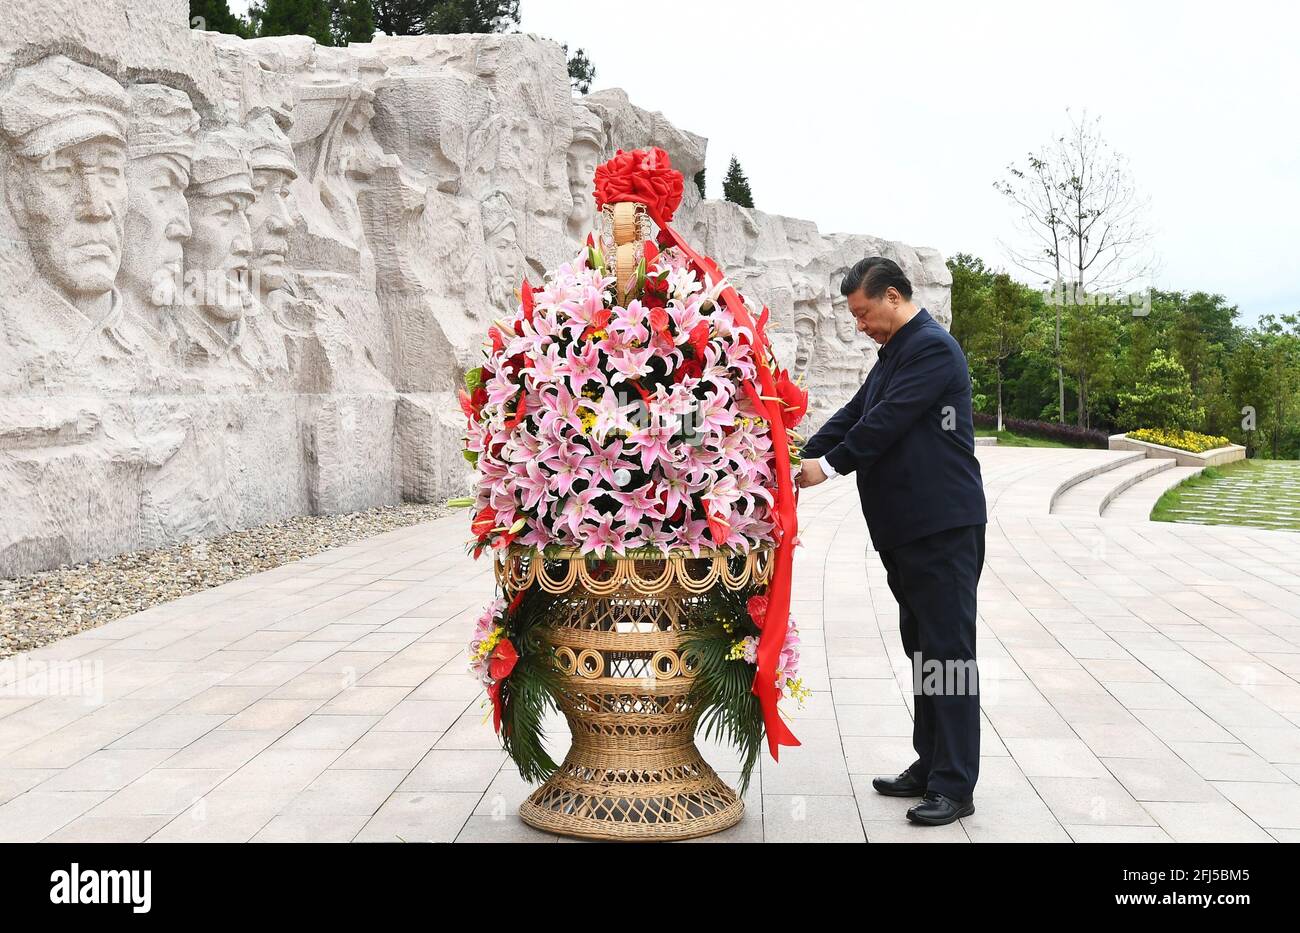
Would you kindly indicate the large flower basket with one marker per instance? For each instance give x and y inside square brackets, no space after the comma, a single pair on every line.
[619,633]
[629,430]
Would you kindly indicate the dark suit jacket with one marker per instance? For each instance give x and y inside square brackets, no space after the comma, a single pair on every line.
[908,435]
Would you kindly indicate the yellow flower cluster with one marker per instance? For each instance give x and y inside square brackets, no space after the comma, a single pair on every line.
[488,645]
[1180,440]
[797,691]
[737,651]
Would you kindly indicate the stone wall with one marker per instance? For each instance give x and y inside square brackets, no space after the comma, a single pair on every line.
[240,280]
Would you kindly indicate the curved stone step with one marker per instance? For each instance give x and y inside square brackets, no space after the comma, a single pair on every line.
[1091,496]
[1135,503]
[1114,460]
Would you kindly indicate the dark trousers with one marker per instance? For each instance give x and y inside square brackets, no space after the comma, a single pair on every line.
[934,580]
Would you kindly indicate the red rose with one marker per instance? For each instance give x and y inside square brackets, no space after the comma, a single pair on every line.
[645,176]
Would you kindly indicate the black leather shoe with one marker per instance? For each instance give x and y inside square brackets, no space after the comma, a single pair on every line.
[938,810]
[905,785]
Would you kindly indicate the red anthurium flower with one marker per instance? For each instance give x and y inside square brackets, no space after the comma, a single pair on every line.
[483,523]
[793,399]
[526,299]
[502,660]
[514,603]
[651,252]
[478,398]
[520,411]
[467,405]
[659,320]
[494,694]
[757,607]
[693,368]
[719,527]
[698,339]
[591,241]
[498,340]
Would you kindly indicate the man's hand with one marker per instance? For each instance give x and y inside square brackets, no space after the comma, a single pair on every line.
[810,474]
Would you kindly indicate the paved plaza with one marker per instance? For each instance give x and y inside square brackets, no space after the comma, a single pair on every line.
[1141,682]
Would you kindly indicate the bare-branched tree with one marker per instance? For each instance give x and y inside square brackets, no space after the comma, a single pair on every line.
[1083,222]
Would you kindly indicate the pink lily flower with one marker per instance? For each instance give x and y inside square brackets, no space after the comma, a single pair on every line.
[639,504]
[654,443]
[576,510]
[603,536]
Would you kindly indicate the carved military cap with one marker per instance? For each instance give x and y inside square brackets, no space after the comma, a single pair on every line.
[57,103]
[220,165]
[271,150]
[162,121]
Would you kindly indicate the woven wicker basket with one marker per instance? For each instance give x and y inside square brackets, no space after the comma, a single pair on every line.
[617,630]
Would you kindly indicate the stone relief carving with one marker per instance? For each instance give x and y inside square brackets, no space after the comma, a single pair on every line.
[241,280]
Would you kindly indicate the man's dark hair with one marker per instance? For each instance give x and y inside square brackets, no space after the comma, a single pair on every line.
[873,275]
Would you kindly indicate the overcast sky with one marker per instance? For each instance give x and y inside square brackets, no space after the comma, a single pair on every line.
[894,119]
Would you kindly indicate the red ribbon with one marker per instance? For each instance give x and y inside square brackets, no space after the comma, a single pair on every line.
[777,620]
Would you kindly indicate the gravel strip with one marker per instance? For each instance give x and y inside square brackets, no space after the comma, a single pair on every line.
[43,607]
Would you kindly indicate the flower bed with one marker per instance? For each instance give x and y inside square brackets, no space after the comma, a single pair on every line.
[1047,430]
[1180,440]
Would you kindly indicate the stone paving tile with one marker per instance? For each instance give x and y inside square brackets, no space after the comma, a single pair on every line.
[420,817]
[1139,683]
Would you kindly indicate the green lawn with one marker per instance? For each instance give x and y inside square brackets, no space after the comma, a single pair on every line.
[1258,493]
[1007,439]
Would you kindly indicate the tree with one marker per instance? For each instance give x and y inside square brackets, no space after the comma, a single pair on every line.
[699,182]
[401,17]
[421,17]
[351,21]
[293,18]
[1161,398]
[970,283]
[448,16]
[215,16]
[1088,346]
[735,187]
[581,71]
[1081,217]
[1002,319]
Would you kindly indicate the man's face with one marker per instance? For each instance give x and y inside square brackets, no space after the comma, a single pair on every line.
[270,222]
[875,316]
[504,252]
[582,169]
[73,205]
[157,226]
[220,251]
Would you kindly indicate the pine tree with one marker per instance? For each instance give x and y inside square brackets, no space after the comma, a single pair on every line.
[581,71]
[352,21]
[699,182]
[293,18]
[735,187]
[215,16]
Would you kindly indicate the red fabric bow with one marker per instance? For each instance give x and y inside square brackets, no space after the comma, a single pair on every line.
[646,176]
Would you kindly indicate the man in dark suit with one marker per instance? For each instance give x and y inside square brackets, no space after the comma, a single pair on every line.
[909,436]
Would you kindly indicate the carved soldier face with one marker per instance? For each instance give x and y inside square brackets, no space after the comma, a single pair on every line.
[503,253]
[583,160]
[72,204]
[220,252]
[157,226]
[805,330]
[270,222]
